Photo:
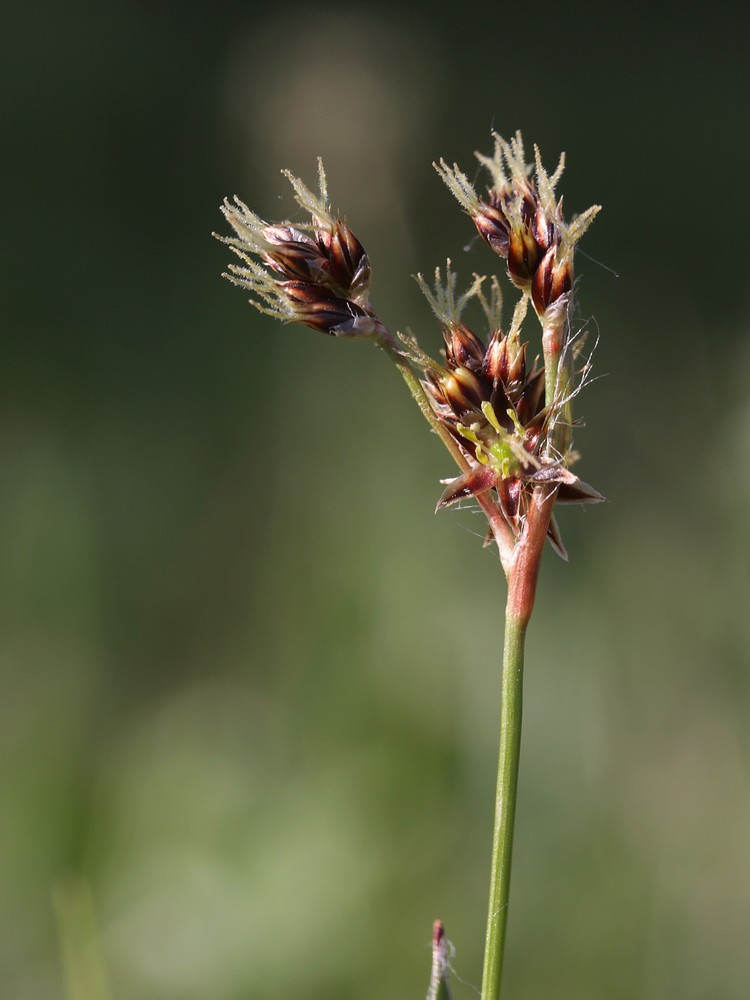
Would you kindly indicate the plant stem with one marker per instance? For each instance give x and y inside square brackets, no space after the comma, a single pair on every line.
[522,578]
[520,560]
[557,377]
[505,803]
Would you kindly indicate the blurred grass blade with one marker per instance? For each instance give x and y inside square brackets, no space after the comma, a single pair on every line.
[80,948]
[439,984]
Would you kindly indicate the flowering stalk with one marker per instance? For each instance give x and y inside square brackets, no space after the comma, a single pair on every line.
[521,589]
[506,423]
[523,223]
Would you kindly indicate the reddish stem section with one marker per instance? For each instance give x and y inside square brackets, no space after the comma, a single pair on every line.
[552,340]
[524,570]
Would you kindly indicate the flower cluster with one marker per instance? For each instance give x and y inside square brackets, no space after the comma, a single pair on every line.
[521,220]
[317,274]
[493,405]
[508,423]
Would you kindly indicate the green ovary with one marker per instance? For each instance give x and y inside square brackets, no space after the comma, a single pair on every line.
[493,448]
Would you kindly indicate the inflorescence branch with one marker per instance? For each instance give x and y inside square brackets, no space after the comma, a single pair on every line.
[507,421]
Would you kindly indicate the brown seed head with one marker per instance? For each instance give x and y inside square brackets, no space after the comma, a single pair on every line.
[334,259]
[552,279]
[529,402]
[505,360]
[293,254]
[462,347]
[348,264]
[317,274]
[515,225]
[493,226]
[521,219]
[543,229]
[321,309]
[524,254]
[464,392]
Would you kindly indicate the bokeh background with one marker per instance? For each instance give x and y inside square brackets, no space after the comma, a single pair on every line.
[249,681]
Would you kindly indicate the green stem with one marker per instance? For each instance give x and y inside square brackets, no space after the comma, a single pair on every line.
[557,376]
[505,803]
[522,578]
[415,388]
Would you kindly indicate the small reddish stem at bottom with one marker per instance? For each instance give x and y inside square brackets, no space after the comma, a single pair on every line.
[523,572]
[439,983]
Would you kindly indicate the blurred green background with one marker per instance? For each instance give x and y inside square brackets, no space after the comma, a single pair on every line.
[249,681]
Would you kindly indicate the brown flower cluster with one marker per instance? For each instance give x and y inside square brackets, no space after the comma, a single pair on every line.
[522,220]
[317,274]
[492,402]
[507,421]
